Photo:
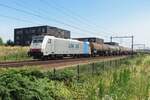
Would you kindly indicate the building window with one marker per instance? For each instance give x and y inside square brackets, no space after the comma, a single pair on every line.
[39,30]
[33,30]
[19,31]
[17,37]
[27,42]
[43,30]
[26,31]
[17,43]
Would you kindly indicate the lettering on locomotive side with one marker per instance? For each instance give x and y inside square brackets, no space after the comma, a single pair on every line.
[73,45]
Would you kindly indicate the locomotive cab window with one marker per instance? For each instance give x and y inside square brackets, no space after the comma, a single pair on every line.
[37,41]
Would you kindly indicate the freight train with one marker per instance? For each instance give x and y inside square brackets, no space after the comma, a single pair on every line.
[48,47]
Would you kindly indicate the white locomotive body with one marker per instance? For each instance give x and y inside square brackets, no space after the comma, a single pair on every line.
[50,46]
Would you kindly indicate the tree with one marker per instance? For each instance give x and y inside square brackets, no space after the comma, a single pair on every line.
[10,43]
[1,41]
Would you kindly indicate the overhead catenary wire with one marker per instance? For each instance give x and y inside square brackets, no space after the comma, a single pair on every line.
[73,17]
[63,13]
[49,5]
[22,20]
[80,18]
[44,18]
[18,19]
[31,9]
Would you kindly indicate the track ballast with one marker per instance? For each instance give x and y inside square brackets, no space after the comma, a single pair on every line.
[54,62]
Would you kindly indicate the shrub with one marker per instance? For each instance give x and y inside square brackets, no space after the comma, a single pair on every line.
[1,41]
[15,85]
[146,61]
[10,43]
[101,89]
[33,73]
[65,75]
[119,86]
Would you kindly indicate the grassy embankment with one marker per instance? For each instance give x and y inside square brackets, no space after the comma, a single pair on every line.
[15,53]
[128,81]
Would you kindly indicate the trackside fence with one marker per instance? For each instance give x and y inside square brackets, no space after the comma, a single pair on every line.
[78,72]
[95,68]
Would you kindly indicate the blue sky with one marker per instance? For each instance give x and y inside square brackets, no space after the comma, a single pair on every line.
[101,18]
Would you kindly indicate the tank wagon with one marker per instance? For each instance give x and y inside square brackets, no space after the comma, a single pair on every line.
[125,50]
[99,49]
[52,47]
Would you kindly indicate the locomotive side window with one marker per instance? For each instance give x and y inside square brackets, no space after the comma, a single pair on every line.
[77,45]
[71,45]
[49,41]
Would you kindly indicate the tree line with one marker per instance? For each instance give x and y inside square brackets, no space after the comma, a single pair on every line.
[8,42]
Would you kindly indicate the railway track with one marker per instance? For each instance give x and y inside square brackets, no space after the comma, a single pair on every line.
[51,62]
[17,61]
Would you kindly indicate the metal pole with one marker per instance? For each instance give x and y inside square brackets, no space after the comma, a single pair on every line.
[103,65]
[132,37]
[132,44]
[78,72]
[93,68]
[54,73]
[111,39]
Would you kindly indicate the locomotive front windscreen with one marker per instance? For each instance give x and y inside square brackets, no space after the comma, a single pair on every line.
[38,39]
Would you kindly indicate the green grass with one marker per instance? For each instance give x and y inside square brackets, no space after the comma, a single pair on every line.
[128,81]
[15,53]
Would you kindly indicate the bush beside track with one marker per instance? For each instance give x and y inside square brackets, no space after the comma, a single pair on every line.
[127,79]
